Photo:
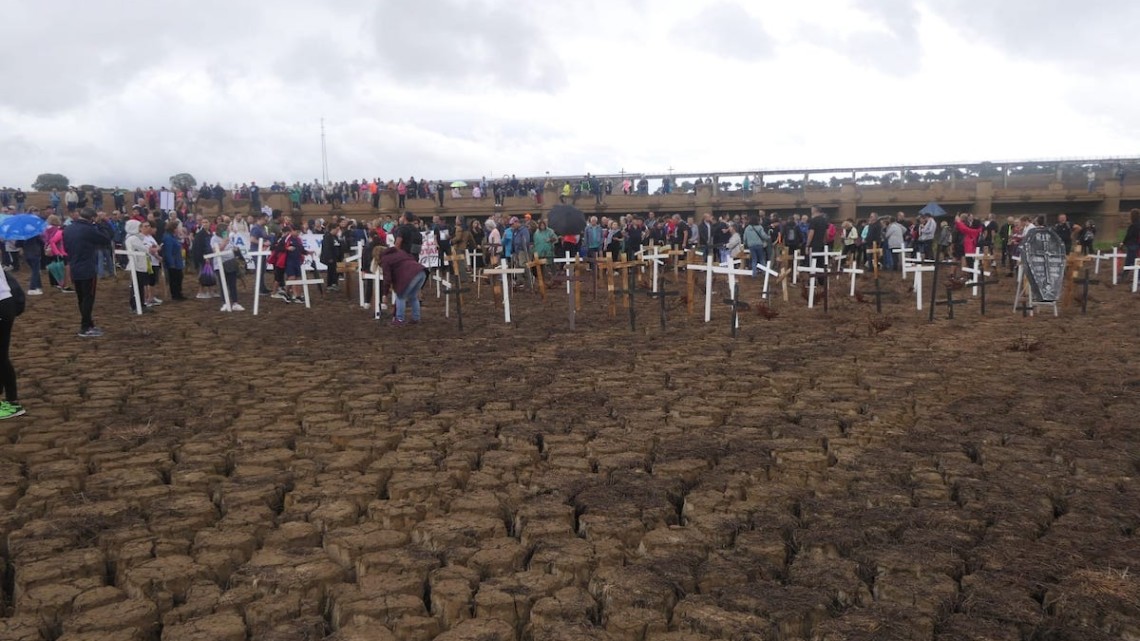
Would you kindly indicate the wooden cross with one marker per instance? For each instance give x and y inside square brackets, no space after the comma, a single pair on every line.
[504,272]
[538,264]
[258,260]
[134,256]
[875,252]
[358,258]
[707,268]
[304,282]
[1074,265]
[595,267]
[733,272]
[222,278]
[573,292]
[629,290]
[950,302]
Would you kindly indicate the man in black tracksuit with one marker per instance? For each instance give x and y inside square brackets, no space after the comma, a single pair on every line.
[83,240]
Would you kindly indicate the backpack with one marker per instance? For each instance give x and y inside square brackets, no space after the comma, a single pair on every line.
[18,301]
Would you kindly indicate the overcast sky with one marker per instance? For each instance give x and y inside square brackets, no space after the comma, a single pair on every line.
[130,93]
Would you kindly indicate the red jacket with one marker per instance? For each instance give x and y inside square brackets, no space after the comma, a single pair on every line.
[969,236]
[399,268]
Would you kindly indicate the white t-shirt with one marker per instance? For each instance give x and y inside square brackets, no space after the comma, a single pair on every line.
[216,243]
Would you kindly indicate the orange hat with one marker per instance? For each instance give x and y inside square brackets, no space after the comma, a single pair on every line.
[527,215]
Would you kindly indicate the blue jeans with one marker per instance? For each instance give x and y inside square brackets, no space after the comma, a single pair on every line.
[759,254]
[411,295]
[34,265]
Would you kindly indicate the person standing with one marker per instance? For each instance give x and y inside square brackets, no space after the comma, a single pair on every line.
[83,240]
[173,259]
[1064,229]
[1131,240]
[33,255]
[9,309]
[756,239]
[817,236]
[332,252]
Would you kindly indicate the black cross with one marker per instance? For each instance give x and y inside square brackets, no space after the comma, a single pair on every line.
[1025,308]
[827,285]
[736,304]
[1085,282]
[878,294]
[448,290]
[660,295]
[950,302]
[981,283]
[934,285]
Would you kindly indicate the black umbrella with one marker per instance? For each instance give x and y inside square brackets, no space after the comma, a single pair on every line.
[566,220]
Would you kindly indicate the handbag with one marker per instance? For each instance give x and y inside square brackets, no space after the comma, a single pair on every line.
[207,277]
[57,271]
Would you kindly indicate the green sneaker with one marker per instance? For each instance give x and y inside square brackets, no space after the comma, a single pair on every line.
[10,410]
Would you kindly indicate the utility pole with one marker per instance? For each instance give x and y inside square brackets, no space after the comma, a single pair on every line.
[324,155]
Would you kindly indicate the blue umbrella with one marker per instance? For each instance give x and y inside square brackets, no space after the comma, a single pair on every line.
[22,227]
[934,209]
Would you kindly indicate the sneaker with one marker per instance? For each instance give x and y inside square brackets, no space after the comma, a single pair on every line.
[67,290]
[156,301]
[90,333]
[334,288]
[226,308]
[98,332]
[237,308]
[35,292]
[278,294]
[10,410]
[397,322]
[203,295]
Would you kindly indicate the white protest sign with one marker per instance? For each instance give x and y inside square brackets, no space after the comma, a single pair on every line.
[312,243]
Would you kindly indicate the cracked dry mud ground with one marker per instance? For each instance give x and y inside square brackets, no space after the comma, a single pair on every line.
[310,474]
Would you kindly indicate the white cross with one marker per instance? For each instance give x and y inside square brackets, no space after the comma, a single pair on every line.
[733,272]
[358,258]
[504,272]
[258,255]
[796,267]
[708,269]
[1135,269]
[918,272]
[656,259]
[908,263]
[978,270]
[854,271]
[813,270]
[134,256]
[1115,257]
[221,274]
[569,261]
[902,255]
[304,282]
[827,255]
[376,278]
[768,274]
[446,283]
[472,258]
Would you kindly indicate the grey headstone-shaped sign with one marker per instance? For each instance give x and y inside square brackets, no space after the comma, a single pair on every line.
[1043,256]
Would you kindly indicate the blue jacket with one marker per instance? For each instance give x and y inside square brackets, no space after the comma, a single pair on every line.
[83,241]
[172,252]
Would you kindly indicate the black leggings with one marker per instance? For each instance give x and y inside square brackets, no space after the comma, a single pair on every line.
[7,372]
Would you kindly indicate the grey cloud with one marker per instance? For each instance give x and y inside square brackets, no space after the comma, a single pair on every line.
[897,51]
[726,29]
[453,42]
[1082,35]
